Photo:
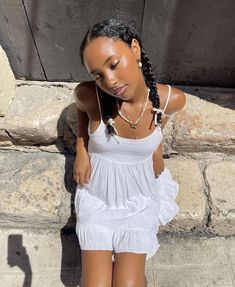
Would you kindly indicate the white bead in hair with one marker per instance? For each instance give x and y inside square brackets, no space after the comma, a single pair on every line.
[111,122]
[157,111]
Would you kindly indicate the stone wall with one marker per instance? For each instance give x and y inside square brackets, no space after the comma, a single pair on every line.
[182,38]
[37,139]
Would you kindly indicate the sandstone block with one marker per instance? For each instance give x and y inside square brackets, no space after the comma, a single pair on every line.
[4,138]
[204,126]
[70,126]
[191,198]
[168,133]
[7,83]
[221,180]
[36,114]
[35,189]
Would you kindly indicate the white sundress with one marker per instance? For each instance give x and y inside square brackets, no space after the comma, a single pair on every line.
[122,206]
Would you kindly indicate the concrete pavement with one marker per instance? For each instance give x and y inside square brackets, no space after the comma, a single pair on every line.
[41,258]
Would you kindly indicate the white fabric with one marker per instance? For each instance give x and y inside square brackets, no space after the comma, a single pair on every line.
[122,206]
[168,97]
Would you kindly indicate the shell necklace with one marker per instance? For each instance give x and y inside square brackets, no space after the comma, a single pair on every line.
[133,125]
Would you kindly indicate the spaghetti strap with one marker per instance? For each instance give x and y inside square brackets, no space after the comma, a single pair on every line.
[168,97]
[99,105]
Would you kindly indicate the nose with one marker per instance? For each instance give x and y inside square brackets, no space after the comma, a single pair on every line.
[110,80]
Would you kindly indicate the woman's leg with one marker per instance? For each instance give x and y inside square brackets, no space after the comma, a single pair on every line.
[129,270]
[97,268]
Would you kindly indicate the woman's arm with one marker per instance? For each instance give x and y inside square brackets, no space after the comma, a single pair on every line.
[82,167]
[158,162]
[176,102]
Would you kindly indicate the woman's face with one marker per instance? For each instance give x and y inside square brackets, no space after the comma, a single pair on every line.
[113,65]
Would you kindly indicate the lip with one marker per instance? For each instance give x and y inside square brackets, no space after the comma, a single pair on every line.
[120,91]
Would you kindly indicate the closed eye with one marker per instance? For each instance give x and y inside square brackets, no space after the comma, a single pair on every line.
[113,66]
[99,77]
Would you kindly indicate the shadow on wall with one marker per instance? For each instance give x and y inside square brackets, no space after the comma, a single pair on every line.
[194,53]
[17,256]
[71,252]
[189,42]
[222,97]
[188,35]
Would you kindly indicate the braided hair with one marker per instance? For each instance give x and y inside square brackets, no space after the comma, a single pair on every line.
[112,28]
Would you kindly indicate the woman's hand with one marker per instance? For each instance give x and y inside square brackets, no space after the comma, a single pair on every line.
[82,167]
[158,162]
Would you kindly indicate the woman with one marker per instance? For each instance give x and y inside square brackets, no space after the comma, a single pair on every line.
[123,192]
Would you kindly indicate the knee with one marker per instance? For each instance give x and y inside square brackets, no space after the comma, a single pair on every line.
[96,280]
[129,282]
[96,283]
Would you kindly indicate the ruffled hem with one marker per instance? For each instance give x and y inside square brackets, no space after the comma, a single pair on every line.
[167,194]
[97,237]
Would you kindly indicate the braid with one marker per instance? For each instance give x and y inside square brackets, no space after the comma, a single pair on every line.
[107,103]
[151,82]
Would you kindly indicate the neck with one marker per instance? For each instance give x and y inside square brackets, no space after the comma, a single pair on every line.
[140,94]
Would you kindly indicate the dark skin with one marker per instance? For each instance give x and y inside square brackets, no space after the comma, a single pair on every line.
[113,63]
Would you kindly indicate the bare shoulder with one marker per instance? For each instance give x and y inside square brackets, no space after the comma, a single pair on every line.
[177,98]
[84,95]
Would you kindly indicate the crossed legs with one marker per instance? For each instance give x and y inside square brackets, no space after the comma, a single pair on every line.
[98,269]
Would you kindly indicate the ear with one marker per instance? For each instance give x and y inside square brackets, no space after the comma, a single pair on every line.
[136,48]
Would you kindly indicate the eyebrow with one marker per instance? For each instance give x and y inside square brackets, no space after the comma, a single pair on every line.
[108,59]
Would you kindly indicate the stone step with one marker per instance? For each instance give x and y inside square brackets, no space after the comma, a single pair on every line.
[42,113]
[37,139]
[43,258]
[37,190]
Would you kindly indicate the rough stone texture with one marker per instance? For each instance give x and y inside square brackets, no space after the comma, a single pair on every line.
[70,127]
[40,114]
[223,97]
[7,83]
[191,199]
[36,114]
[4,138]
[168,139]
[47,84]
[43,118]
[203,126]
[221,180]
[197,262]
[58,147]
[34,189]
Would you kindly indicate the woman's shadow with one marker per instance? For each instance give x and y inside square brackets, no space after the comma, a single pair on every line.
[71,253]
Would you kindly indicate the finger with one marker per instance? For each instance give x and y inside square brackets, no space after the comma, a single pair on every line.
[159,173]
[82,181]
[88,174]
[79,178]
[76,177]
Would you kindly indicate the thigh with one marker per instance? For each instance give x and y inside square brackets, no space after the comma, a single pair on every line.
[129,270]
[97,268]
